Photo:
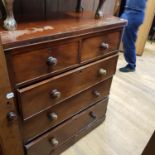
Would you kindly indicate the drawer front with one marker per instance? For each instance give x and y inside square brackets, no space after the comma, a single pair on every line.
[53,139]
[32,63]
[57,114]
[38,97]
[100,45]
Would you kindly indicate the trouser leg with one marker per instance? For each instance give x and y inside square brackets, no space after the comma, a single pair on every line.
[130,36]
[129,39]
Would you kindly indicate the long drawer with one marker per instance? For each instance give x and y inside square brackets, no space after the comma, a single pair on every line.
[53,139]
[40,96]
[34,62]
[57,114]
[99,45]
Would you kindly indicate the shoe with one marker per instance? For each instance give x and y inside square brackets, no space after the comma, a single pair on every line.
[127,69]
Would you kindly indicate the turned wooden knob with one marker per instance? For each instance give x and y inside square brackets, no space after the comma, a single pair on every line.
[55,94]
[93,115]
[96,93]
[104,46]
[51,61]
[102,71]
[11,116]
[54,141]
[52,116]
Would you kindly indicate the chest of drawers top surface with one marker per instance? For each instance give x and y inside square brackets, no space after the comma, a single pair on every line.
[61,26]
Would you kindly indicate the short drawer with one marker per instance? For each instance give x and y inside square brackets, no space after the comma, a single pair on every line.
[61,112]
[100,45]
[53,139]
[40,96]
[31,63]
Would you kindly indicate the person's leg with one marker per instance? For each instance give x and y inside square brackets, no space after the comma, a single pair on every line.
[129,39]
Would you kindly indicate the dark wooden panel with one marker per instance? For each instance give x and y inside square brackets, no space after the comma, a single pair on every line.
[45,31]
[70,5]
[65,56]
[51,6]
[80,79]
[1,152]
[2,10]
[77,137]
[150,147]
[10,137]
[100,44]
[33,9]
[17,8]
[42,122]
[45,145]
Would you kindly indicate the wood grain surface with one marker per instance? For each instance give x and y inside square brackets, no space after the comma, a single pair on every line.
[9,131]
[130,120]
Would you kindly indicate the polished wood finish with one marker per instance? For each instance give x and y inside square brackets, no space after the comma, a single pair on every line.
[100,45]
[40,123]
[39,11]
[1,153]
[59,27]
[149,149]
[59,95]
[10,138]
[78,78]
[63,56]
[132,119]
[64,132]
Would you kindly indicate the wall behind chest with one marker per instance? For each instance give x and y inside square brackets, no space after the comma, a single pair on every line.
[39,9]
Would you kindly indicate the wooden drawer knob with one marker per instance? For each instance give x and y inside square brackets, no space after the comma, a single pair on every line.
[52,116]
[96,93]
[104,45]
[93,115]
[11,116]
[51,61]
[55,94]
[54,141]
[102,71]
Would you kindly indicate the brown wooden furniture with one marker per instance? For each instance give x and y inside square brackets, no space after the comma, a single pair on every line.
[10,22]
[150,149]
[56,77]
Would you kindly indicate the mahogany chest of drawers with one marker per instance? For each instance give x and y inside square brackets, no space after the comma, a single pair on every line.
[56,79]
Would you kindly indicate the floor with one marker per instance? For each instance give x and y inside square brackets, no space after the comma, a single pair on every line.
[130,119]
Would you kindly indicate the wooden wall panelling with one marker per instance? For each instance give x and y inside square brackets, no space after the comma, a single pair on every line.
[9,131]
[1,150]
[45,8]
[31,10]
[108,7]
[2,10]
[88,5]
[1,153]
[51,6]
[145,28]
[17,7]
[69,5]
